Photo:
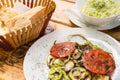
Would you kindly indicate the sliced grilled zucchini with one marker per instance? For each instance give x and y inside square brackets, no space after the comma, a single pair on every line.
[79,73]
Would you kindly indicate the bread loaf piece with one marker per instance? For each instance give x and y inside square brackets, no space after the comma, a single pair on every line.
[26,19]
[5,14]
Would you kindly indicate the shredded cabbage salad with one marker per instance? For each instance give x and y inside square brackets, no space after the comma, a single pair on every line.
[101,8]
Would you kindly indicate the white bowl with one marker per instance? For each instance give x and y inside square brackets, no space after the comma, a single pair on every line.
[94,20]
[98,21]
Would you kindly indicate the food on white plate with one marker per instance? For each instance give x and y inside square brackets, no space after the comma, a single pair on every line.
[75,61]
[99,62]
[100,77]
[101,8]
[62,49]
[79,73]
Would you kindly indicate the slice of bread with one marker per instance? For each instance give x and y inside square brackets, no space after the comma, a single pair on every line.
[5,14]
[26,19]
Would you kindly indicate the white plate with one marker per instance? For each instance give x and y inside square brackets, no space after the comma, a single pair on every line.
[35,67]
[75,16]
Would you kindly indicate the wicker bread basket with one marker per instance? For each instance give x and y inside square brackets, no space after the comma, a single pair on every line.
[23,35]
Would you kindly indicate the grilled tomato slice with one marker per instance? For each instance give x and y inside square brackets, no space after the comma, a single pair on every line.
[99,62]
[61,50]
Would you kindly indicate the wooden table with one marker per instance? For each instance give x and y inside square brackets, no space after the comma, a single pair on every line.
[11,63]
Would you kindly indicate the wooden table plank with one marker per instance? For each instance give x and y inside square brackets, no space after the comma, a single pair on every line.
[59,16]
[115,33]
[71,1]
[11,63]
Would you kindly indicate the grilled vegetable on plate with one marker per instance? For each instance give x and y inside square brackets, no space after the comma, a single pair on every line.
[75,61]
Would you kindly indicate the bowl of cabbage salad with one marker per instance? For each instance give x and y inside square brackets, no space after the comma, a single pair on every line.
[99,12]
